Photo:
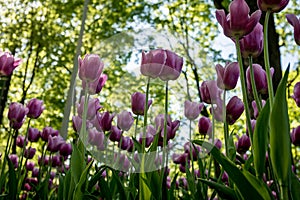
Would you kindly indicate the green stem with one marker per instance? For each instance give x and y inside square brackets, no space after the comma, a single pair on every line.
[23,150]
[7,148]
[253,85]
[284,193]
[244,88]
[267,60]
[191,147]
[226,134]
[213,140]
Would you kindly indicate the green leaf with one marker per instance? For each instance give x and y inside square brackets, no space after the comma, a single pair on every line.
[247,190]
[80,186]
[60,193]
[260,140]
[295,185]
[12,181]
[280,142]
[153,182]
[95,178]
[171,195]
[77,164]
[224,191]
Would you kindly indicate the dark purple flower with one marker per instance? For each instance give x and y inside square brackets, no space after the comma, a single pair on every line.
[295,22]
[272,5]
[30,166]
[295,136]
[115,134]
[93,107]
[56,161]
[33,134]
[43,160]
[8,63]
[210,93]
[218,143]
[29,153]
[252,44]
[204,126]
[65,149]
[14,159]
[296,95]
[238,23]
[35,108]
[96,86]
[126,143]
[105,120]
[180,158]
[90,68]
[227,76]
[54,143]
[125,120]
[255,109]
[20,141]
[234,110]
[253,123]
[243,144]
[35,172]
[47,131]
[16,115]
[192,109]
[138,103]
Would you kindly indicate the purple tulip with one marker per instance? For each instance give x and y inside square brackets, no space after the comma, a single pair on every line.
[55,143]
[96,86]
[20,141]
[217,111]
[93,107]
[14,159]
[138,103]
[47,131]
[192,109]
[126,143]
[180,158]
[243,144]
[209,91]
[272,5]
[96,138]
[234,110]
[8,63]
[195,151]
[218,143]
[43,160]
[253,123]
[56,161]
[125,120]
[148,137]
[90,68]
[227,76]
[296,95]
[33,134]
[252,44]
[260,79]
[16,115]
[238,23]
[295,22]
[65,149]
[35,108]
[164,64]
[35,172]
[115,134]
[172,126]
[29,153]
[105,120]
[204,126]
[255,109]
[295,136]
[30,166]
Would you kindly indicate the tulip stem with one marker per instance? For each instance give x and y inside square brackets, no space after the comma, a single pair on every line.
[267,60]
[7,149]
[213,140]
[191,147]
[82,134]
[145,116]
[253,85]
[244,89]
[226,134]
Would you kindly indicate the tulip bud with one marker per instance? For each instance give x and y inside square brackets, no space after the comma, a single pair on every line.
[8,63]
[204,126]
[29,153]
[126,143]
[252,44]
[243,144]
[238,23]
[255,109]
[192,109]
[180,158]
[218,143]
[56,161]
[210,93]
[227,76]
[296,95]
[105,120]
[125,120]
[54,143]
[30,166]
[16,114]
[115,134]
[96,86]
[90,68]
[65,149]
[295,22]
[272,5]
[47,131]
[234,110]
[14,159]
[20,141]
[92,108]
[138,103]
[35,108]
[295,136]
[33,134]
[96,138]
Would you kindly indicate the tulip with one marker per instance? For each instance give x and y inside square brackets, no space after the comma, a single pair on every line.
[272,5]
[164,64]
[20,141]
[172,126]
[90,68]
[92,108]
[243,144]
[55,143]
[218,143]
[96,86]
[227,76]
[195,151]
[35,172]
[96,138]
[209,91]
[35,108]
[43,160]
[255,110]
[125,120]
[295,22]
[105,120]
[180,158]
[56,161]
[204,126]
[217,111]
[148,138]
[30,166]
[238,23]
[192,109]
[65,149]
[48,131]
[296,95]
[29,153]
[234,109]
[126,143]
[115,134]
[253,123]
[260,79]
[295,136]
[8,63]
[252,44]
[138,103]
[16,114]
[33,134]
[14,159]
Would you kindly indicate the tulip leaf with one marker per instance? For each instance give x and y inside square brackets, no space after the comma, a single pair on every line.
[224,191]
[77,164]
[12,181]
[295,185]
[80,186]
[245,187]
[95,178]
[260,140]
[280,143]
